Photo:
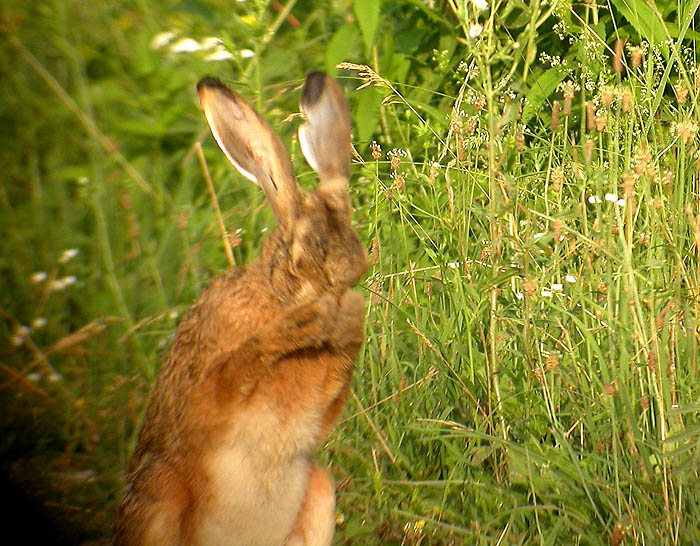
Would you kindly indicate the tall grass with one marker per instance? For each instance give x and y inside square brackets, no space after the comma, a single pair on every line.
[526,182]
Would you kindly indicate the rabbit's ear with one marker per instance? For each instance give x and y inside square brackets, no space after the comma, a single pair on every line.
[325,137]
[251,146]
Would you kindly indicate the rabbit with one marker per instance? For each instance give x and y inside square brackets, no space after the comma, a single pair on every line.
[260,366]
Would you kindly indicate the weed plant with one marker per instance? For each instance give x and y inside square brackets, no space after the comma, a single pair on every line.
[526,180]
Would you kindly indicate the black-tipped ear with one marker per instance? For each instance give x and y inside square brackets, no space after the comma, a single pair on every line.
[325,138]
[250,145]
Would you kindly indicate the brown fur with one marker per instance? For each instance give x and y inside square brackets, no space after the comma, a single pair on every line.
[260,366]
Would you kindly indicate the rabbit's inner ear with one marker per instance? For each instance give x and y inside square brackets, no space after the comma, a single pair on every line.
[308,146]
[325,138]
[251,146]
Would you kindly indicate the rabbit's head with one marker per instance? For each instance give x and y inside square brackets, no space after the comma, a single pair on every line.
[314,247]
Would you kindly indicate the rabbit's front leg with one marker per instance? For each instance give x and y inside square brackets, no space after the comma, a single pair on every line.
[307,325]
[315,524]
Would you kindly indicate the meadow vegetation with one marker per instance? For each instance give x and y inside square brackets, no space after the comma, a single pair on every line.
[526,182]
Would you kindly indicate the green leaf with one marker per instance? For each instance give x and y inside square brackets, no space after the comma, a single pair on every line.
[367,13]
[644,19]
[367,115]
[543,87]
[340,45]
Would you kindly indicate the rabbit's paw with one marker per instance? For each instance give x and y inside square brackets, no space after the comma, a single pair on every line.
[349,325]
[306,325]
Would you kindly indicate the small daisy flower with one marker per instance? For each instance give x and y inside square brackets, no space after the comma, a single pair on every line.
[186,45]
[39,276]
[570,279]
[68,255]
[475,30]
[61,284]
[38,322]
[557,287]
[162,39]
[611,197]
[210,42]
[220,54]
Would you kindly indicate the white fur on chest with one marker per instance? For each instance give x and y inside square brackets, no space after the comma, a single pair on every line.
[257,480]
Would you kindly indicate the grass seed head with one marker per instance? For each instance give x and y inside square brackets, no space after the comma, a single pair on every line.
[601,121]
[555,115]
[551,362]
[607,95]
[618,56]
[400,183]
[627,101]
[637,54]
[628,181]
[590,115]
[588,151]
[686,131]
[557,178]
[611,388]
[681,92]
[568,91]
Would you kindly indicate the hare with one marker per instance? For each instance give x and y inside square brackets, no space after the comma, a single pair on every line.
[260,366]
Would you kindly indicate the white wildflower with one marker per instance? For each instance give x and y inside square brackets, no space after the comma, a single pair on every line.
[475,30]
[537,236]
[546,293]
[557,287]
[570,279]
[38,277]
[481,5]
[611,197]
[621,202]
[593,199]
[162,39]
[61,284]
[68,255]
[38,322]
[247,53]
[185,45]
[220,54]
[210,42]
